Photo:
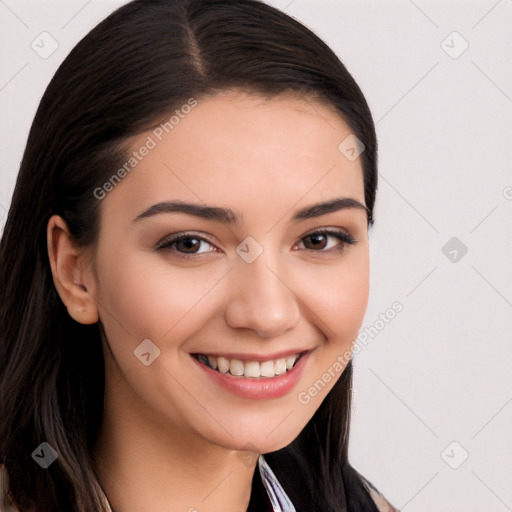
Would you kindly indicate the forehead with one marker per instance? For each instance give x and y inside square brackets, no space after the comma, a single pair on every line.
[245,150]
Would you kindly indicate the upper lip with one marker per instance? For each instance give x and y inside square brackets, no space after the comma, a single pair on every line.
[256,356]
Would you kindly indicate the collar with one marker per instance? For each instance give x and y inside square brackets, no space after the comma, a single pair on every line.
[278,498]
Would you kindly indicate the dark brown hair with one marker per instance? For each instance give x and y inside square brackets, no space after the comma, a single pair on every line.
[128,74]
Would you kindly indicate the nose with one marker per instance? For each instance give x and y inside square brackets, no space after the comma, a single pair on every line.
[261,299]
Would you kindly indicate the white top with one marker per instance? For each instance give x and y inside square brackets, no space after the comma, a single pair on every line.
[278,498]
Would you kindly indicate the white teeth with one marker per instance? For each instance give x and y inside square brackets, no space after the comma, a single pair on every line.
[290,361]
[236,367]
[267,369]
[222,364]
[250,369]
[280,366]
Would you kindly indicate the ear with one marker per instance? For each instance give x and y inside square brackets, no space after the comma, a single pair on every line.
[68,265]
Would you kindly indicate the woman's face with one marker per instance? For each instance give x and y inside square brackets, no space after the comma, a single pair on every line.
[251,293]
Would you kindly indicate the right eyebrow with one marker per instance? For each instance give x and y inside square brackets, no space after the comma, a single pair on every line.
[216,213]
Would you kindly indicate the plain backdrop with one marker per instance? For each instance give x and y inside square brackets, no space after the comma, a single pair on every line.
[432,417]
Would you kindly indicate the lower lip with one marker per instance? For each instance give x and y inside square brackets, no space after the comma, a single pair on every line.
[258,388]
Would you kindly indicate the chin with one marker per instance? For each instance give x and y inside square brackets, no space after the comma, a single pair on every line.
[264,435]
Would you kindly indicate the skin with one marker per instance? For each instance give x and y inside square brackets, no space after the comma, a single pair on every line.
[171,439]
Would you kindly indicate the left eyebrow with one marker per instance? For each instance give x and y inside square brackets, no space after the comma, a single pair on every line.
[230,217]
[340,203]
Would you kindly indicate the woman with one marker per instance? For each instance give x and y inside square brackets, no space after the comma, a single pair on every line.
[185,267]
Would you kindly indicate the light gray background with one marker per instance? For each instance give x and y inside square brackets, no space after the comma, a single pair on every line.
[439,372]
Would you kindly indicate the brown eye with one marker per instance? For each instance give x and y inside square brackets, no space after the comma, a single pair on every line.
[185,244]
[188,245]
[319,241]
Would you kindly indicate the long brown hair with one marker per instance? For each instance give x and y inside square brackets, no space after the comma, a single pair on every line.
[124,77]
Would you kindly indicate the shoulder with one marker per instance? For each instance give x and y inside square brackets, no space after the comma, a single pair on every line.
[383,505]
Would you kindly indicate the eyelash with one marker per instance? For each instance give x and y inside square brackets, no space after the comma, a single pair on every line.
[167,243]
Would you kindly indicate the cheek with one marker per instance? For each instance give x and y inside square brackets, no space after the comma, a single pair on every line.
[339,305]
[149,298]
[350,301]
[339,297]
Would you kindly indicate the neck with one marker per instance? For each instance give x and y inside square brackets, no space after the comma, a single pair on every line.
[143,464]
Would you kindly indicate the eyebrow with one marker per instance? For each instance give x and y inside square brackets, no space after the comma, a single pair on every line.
[231,217]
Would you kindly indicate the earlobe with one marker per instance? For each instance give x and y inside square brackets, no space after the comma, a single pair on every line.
[69,274]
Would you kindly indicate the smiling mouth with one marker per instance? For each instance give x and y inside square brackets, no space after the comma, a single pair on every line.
[249,369]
